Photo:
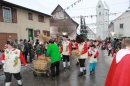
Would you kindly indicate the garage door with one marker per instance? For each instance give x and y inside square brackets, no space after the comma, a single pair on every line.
[3,39]
[6,36]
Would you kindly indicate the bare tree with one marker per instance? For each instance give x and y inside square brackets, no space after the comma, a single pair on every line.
[58,32]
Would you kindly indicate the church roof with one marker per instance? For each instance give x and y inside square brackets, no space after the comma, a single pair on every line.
[90,31]
[105,6]
[33,5]
[103,3]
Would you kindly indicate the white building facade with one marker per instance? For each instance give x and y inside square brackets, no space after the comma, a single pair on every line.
[91,35]
[121,25]
[102,20]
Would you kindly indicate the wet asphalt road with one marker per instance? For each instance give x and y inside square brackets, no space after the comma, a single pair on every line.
[68,77]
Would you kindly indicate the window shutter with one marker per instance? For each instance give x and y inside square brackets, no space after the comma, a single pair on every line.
[30,16]
[44,32]
[1,14]
[36,33]
[14,15]
[48,33]
[39,18]
[43,19]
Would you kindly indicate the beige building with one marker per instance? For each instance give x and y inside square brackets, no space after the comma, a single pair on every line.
[17,21]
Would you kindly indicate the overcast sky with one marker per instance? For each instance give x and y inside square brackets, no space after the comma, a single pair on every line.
[86,7]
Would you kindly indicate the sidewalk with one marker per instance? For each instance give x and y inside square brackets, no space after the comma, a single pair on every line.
[108,59]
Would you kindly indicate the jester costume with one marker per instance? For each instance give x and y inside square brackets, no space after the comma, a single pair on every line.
[12,59]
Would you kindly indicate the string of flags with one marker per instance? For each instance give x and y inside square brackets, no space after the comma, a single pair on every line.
[67,8]
[60,14]
[72,5]
[91,16]
[106,22]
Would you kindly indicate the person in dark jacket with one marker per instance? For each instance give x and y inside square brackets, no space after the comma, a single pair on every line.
[26,48]
[30,50]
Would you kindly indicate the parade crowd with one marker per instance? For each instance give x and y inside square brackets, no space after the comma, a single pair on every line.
[23,52]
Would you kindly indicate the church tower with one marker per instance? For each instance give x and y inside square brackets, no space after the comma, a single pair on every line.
[102,20]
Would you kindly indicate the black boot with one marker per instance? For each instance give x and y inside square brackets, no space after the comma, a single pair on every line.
[53,78]
[20,85]
[77,63]
[91,72]
[69,67]
[64,68]
[84,72]
[80,74]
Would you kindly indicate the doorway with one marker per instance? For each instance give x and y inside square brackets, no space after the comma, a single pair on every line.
[30,34]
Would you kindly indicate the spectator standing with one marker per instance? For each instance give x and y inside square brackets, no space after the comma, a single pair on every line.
[54,53]
[15,43]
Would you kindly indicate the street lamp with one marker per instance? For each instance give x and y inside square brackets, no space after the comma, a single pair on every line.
[64,33]
[112,33]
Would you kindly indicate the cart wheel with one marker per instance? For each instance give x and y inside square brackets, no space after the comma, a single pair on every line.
[34,73]
[47,73]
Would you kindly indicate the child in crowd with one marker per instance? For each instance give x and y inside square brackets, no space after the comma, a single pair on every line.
[93,54]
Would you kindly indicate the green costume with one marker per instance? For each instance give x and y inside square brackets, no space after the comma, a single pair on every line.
[54,53]
[38,50]
[59,44]
[15,44]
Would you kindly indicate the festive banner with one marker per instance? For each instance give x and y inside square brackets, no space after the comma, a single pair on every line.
[91,16]
[107,22]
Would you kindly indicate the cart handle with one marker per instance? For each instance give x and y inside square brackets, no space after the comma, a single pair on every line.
[31,68]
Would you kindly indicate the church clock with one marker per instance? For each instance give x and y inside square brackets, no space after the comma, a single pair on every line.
[99,6]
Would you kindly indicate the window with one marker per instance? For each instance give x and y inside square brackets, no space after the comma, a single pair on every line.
[30,16]
[36,33]
[99,13]
[47,33]
[40,18]
[121,26]
[59,15]
[106,13]
[7,15]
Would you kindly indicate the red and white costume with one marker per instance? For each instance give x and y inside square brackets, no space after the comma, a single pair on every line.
[83,48]
[109,46]
[98,44]
[73,44]
[92,54]
[119,72]
[12,60]
[66,48]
